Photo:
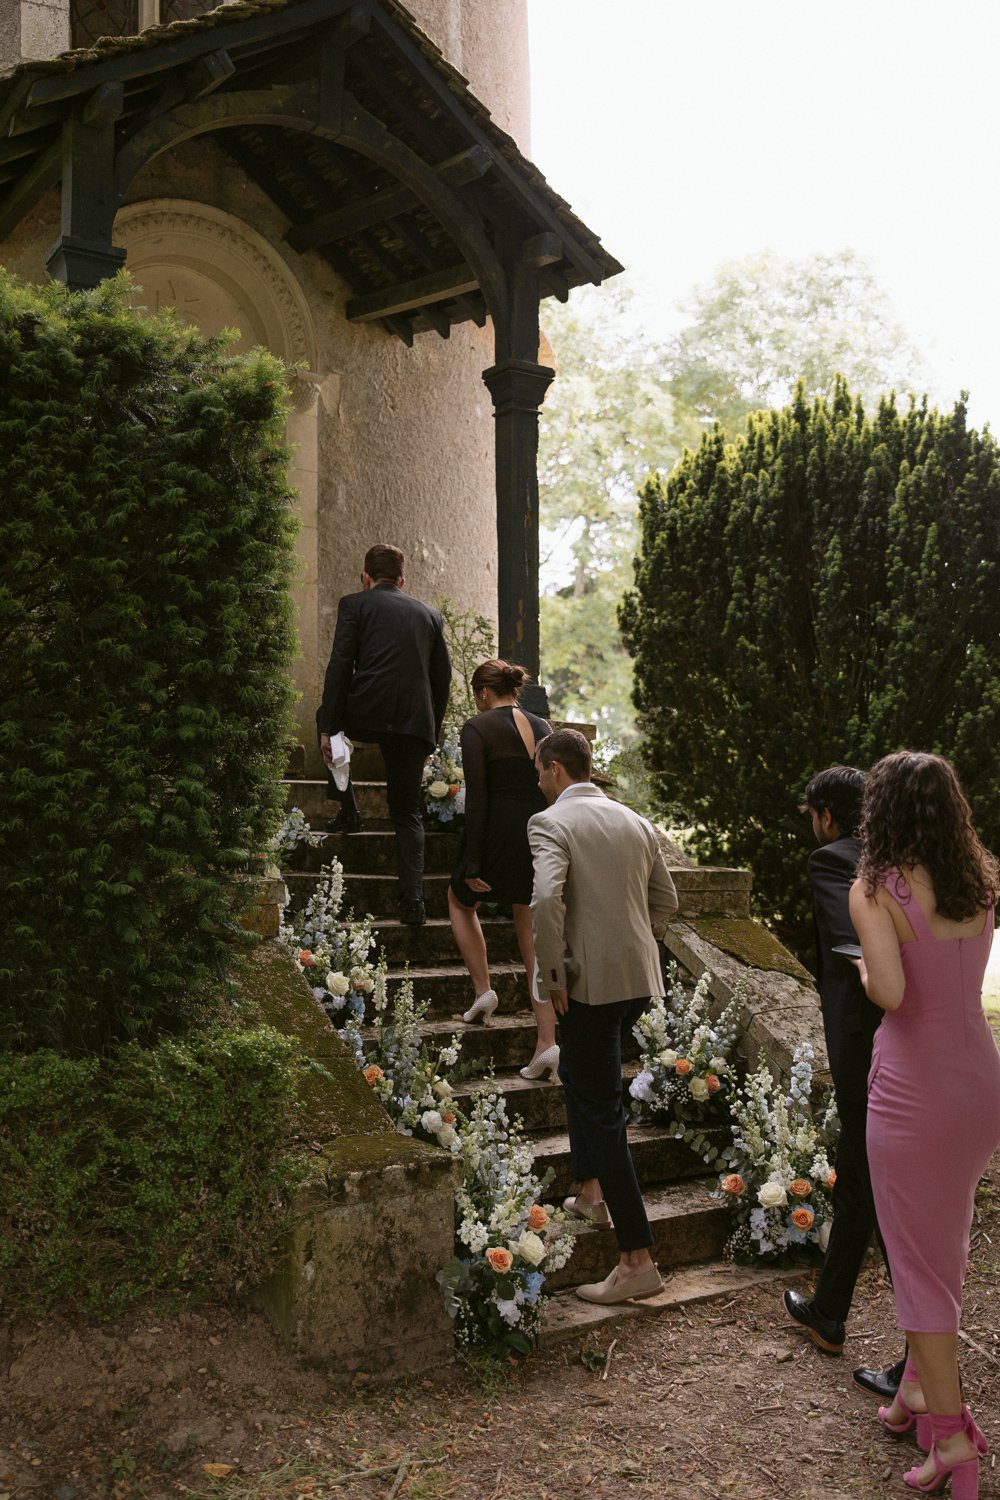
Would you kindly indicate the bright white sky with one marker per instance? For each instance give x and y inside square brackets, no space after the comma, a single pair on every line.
[689,132]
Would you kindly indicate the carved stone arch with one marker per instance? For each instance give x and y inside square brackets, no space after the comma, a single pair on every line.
[218,272]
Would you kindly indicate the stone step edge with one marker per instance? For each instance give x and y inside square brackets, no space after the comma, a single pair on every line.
[566,1316]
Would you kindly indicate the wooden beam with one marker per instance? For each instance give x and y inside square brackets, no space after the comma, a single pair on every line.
[386,204]
[33,185]
[436,286]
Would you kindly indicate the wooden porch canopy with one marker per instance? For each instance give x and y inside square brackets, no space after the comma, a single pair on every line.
[381,159]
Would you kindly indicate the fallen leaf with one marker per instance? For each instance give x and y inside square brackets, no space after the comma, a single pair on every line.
[218,1471]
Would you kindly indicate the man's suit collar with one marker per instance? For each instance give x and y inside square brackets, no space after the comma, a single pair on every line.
[579,789]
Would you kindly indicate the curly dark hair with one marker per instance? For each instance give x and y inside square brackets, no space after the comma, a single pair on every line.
[915,813]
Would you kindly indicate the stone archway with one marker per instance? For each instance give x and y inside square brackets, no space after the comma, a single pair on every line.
[219,273]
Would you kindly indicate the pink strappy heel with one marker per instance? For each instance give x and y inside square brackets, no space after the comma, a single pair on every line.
[921,1418]
[964,1476]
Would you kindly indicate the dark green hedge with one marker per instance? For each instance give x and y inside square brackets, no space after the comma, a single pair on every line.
[822,590]
[145,554]
[161,1168]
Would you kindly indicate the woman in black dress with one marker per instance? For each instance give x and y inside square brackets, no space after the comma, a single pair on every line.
[501,794]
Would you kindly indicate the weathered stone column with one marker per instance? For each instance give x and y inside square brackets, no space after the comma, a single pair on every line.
[31,29]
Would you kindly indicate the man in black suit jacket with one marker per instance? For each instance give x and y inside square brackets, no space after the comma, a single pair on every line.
[833,801]
[388,681]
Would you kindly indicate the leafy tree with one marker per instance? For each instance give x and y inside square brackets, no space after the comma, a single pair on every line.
[823,589]
[765,323]
[607,421]
[145,554]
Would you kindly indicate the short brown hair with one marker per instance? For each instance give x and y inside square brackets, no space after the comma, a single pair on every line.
[383,562]
[570,748]
[499,676]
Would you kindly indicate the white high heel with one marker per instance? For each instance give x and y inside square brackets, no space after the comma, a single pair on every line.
[545,1062]
[482,1008]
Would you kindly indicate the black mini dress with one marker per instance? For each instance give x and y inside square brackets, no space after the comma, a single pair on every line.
[501,794]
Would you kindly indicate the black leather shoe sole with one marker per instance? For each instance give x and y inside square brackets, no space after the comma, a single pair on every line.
[824,1332]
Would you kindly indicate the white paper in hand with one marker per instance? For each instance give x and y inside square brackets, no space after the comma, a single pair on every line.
[340,758]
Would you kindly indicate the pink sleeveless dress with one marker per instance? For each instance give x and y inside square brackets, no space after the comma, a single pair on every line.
[933,1117]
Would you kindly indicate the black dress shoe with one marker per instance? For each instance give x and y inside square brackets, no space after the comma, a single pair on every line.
[345,822]
[412,913]
[884,1383]
[826,1333]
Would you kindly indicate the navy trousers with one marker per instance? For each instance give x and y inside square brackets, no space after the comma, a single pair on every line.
[590,1068]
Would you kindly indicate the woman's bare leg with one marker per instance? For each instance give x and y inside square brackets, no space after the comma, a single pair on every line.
[545,1016]
[471,943]
[935,1356]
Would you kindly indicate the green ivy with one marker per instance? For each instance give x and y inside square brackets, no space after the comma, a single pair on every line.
[163,1168]
[146,539]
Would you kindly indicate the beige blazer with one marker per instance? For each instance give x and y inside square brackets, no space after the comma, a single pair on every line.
[601,892]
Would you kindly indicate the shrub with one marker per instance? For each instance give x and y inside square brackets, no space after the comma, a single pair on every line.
[822,590]
[164,1167]
[145,553]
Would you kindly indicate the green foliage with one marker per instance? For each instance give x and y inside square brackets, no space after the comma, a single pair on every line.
[470,640]
[159,1168]
[822,590]
[145,554]
[763,324]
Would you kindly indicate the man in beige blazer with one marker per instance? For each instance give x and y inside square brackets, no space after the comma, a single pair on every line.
[601,891]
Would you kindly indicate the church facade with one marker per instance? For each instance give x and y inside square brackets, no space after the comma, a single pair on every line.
[348,185]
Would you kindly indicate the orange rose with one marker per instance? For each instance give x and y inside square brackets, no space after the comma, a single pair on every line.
[453,789]
[800,1188]
[829,1181]
[305,957]
[373,1073]
[537,1217]
[448,1119]
[713,1083]
[682,1066]
[501,1260]
[802,1218]
[734,1184]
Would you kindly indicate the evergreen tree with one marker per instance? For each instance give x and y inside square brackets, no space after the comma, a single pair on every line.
[821,590]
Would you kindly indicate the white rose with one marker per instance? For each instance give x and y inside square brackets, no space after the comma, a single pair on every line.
[823,1237]
[431,1121]
[337,984]
[443,1088]
[668,1057]
[459,774]
[717,1065]
[698,1088]
[447,1136]
[772,1195]
[438,789]
[529,1247]
[364,986]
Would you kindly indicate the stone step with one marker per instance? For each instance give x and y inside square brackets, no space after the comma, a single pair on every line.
[538,1102]
[449,989]
[687,1226]
[657,1156]
[373,852]
[377,894]
[434,942]
[507,1043]
[311,798]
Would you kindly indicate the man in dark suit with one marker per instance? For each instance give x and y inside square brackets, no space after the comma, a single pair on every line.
[388,682]
[833,802]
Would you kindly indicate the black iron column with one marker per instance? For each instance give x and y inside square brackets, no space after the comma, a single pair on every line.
[517,384]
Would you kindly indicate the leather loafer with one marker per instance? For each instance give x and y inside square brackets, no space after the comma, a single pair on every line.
[884,1383]
[614,1289]
[345,822]
[412,913]
[826,1333]
[591,1213]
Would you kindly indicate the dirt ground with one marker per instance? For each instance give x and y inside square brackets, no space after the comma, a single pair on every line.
[720,1399]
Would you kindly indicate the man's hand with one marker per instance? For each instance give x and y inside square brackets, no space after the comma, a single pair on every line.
[325,751]
[560,1001]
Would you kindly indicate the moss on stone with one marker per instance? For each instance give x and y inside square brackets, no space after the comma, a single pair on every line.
[334,1098]
[750,942]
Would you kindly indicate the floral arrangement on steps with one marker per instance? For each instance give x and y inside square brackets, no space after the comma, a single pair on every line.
[507,1239]
[294,833]
[778,1179]
[444,786]
[409,1078]
[685,1074]
[333,952]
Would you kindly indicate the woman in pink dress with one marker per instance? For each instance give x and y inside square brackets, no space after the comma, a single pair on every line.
[923,910]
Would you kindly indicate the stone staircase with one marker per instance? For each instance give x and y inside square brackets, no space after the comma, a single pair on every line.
[687,1224]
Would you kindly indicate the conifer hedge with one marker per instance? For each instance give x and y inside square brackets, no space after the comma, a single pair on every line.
[145,555]
[824,589]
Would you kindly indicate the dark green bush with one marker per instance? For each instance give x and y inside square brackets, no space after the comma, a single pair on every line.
[822,590]
[145,553]
[161,1168]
